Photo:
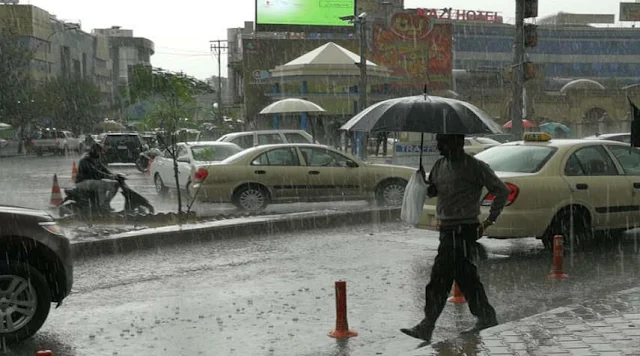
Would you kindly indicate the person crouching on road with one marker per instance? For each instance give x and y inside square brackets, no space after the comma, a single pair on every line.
[457,179]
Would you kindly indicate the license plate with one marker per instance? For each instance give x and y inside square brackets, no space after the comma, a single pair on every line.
[122,147]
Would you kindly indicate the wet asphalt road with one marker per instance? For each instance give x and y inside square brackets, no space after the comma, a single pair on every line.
[26,181]
[273,295]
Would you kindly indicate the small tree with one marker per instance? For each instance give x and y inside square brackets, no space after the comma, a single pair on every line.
[74,103]
[17,89]
[173,95]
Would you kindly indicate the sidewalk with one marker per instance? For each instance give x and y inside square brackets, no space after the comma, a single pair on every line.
[607,326]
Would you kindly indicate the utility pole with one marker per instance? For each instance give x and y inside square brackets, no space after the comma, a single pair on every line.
[361,137]
[218,47]
[518,73]
[362,86]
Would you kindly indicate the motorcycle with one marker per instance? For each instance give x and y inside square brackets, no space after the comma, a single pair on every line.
[142,163]
[83,203]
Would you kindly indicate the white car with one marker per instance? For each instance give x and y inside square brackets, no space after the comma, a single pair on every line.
[189,156]
[250,139]
[474,145]
[620,137]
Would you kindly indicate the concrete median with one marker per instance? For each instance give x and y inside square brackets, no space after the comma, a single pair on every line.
[240,227]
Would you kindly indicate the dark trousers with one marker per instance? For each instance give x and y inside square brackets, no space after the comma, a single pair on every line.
[454,262]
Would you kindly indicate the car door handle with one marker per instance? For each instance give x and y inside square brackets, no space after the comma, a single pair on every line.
[582,186]
[260,172]
[314,172]
[636,185]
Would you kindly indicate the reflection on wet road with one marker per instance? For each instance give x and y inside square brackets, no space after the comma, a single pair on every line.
[273,295]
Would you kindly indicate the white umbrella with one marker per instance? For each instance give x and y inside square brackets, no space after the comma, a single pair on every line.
[291,105]
[4,126]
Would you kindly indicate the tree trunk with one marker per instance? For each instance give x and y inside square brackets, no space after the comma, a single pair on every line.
[21,141]
[176,174]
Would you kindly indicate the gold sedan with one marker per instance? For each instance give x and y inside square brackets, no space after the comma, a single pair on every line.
[560,187]
[284,173]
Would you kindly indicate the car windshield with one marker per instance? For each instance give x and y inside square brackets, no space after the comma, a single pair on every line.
[518,159]
[122,139]
[213,152]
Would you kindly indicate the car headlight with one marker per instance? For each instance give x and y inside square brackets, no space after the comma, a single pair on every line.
[52,227]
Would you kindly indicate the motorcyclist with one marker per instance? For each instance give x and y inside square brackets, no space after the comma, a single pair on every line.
[91,172]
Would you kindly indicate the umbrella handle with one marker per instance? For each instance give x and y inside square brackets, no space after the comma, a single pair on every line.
[421,145]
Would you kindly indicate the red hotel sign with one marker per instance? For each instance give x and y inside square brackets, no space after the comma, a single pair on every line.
[465,15]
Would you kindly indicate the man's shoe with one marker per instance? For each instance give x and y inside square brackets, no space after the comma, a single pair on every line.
[482,324]
[420,331]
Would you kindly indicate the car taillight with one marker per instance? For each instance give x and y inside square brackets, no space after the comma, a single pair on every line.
[513,194]
[200,175]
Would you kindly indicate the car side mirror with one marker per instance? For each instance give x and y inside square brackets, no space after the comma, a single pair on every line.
[352,164]
[184,159]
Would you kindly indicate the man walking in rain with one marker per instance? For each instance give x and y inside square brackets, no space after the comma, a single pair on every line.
[457,180]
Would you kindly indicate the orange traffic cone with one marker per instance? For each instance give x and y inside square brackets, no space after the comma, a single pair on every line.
[74,172]
[44,353]
[458,297]
[56,195]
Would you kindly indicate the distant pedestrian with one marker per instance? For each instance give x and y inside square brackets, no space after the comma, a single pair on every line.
[457,179]
[381,139]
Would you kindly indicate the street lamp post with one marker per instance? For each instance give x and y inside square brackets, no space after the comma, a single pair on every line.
[361,21]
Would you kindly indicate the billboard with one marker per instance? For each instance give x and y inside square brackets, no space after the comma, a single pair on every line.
[416,49]
[303,15]
[629,11]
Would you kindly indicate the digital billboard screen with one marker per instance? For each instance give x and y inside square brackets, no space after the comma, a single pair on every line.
[293,15]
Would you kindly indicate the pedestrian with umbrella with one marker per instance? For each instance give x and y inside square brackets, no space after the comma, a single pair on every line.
[457,180]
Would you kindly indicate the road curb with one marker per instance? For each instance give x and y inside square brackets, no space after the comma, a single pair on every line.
[203,232]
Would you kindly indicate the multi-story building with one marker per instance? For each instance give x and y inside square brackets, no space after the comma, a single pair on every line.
[125,51]
[60,48]
[568,47]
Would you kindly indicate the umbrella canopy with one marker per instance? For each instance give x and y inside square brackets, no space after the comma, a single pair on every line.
[525,124]
[423,113]
[4,126]
[291,105]
[554,127]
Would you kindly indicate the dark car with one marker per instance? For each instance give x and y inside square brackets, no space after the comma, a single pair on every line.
[35,270]
[122,147]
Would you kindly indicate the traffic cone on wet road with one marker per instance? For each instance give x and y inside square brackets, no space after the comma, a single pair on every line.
[558,271]
[56,195]
[342,325]
[44,353]
[458,297]
[74,172]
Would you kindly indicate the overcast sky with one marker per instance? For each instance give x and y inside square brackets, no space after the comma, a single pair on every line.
[182,30]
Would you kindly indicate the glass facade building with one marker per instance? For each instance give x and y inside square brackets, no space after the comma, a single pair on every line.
[567,52]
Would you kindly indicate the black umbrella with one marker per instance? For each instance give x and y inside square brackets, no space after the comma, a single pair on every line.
[423,113]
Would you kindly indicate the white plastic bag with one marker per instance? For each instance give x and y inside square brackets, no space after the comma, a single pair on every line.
[415,194]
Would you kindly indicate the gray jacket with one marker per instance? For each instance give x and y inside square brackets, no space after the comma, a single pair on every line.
[458,186]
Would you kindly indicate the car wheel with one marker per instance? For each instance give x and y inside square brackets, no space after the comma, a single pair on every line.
[561,225]
[391,192]
[160,187]
[25,300]
[251,198]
